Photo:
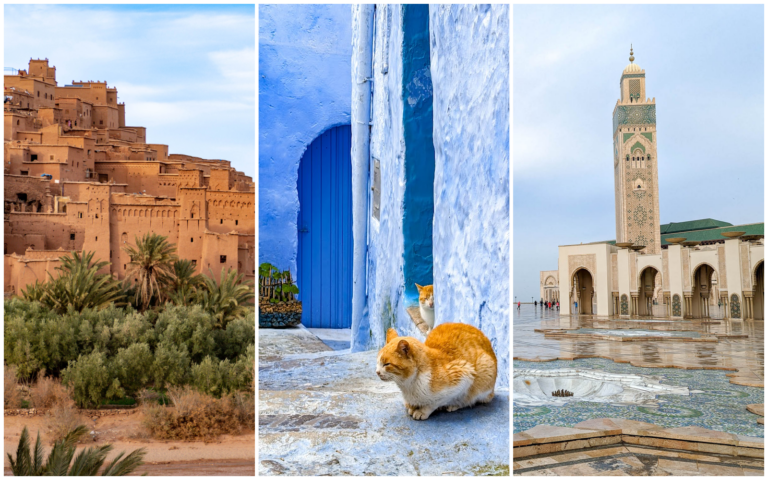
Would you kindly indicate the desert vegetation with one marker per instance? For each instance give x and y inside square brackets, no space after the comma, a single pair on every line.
[164,334]
[89,462]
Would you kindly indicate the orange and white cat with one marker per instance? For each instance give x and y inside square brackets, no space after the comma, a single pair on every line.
[427,304]
[454,368]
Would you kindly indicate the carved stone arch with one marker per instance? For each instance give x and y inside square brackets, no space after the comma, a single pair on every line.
[581,267]
[640,274]
[141,213]
[754,273]
[693,270]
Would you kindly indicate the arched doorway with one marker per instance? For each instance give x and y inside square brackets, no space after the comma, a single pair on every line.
[759,290]
[702,291]
[647,286]
[583,291]
[551,289]
[324,227]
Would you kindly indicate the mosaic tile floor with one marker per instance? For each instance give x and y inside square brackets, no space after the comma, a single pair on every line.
[721,407]
[744,354]
[636,332]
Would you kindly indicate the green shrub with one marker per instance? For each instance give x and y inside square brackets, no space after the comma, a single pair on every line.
[171,366]
[90,380]
[235,339]
[219,377]
[190,327]
[37,338]
[132,367]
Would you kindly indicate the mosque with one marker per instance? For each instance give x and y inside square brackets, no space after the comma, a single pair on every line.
[693,269]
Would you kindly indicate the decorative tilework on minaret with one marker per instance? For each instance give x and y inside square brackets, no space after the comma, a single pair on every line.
[635,167]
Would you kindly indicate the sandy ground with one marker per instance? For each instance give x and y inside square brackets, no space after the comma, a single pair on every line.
[228,455]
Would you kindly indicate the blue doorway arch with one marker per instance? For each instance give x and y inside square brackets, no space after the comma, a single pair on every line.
[324,225]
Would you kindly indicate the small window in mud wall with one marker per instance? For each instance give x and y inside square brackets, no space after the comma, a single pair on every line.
[22,197]
[24,172]
[79,214]
[418,196]
[71,236]
[222,259]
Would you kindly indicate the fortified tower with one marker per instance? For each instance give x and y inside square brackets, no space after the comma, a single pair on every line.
[635,161]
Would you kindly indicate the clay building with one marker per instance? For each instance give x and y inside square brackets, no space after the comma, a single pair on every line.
[78,179]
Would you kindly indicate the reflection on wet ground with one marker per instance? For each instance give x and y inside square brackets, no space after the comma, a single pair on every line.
[710,402]
[744,357]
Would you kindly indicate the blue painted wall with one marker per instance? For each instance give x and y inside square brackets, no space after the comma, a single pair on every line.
[469,71]
[418,201]
[385,303]
[470,75]
[304,88]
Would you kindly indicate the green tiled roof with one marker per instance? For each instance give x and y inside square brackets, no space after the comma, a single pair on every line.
[714,233]
[705,230]
[691,225]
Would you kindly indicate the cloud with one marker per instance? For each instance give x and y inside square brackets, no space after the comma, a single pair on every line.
[182,70]
[567,64]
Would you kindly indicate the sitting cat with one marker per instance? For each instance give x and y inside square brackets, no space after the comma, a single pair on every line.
[427,305]
[454,368]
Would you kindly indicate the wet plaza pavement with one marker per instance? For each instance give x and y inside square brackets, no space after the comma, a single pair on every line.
[742,357]
[718,362]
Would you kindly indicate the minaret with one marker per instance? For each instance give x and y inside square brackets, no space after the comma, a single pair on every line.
[635,171]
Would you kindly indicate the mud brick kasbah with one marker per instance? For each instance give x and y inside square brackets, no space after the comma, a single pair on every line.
[78,179]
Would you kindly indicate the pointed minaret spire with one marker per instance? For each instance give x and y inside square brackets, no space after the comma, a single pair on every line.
[631,55]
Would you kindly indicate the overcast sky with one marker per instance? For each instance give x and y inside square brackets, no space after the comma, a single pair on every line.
[704,66]
[187,72]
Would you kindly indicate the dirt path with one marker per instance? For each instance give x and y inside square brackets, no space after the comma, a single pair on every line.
[228,455]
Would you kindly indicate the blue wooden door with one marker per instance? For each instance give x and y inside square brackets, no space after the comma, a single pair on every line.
[325,230]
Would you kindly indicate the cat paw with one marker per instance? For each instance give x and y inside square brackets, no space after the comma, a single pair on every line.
[409,408]
[486,399]
[452,408]
[420,414]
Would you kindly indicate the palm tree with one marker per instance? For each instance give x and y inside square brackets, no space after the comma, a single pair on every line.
[184,283]
[34,292]
[79,285]
[87,463]
[227,299]
[152,266]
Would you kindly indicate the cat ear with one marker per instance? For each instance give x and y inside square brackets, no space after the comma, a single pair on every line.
[419,287]
[391,334]
[403,348]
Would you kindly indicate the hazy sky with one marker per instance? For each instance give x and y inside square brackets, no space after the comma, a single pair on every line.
[187,72]
[704,66]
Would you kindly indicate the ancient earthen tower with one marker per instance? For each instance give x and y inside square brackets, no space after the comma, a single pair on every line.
[635,162]
[78,178]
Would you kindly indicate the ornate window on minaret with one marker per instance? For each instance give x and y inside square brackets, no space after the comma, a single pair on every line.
[636,179]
